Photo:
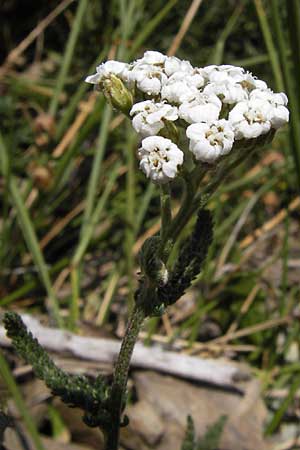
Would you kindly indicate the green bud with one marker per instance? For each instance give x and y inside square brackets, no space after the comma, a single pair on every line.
[117,94]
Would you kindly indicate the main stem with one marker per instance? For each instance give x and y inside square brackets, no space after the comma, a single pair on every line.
[121,375]
[165,209]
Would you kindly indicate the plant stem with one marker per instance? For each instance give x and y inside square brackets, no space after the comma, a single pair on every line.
[165,208]
[196,200]
[121,375]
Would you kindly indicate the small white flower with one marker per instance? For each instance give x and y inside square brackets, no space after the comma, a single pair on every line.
[209,142]
[203,108]
[149,117]
[279,114]
[177,89]
[260,84]
[218,74]
[159,159]
[250,119]
[195,78]
[152,57]
[228,91]
[174,65]
[148,78]
[105,69]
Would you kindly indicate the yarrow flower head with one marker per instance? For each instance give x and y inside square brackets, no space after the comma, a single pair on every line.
[150,117]
[210,141]
[213,107]
[159,158]
[202,108]
[250,118]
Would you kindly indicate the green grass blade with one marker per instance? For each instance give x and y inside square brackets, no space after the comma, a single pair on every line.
[4,159]
[94,220]
[67,57]
[150,27]
[143,206]
[33,245]
[20,404]
[293,9]
[30,285]
[218,53]
[95,174]
[82,246]
[276,420]
[265,28]
[64,164]
[129,151]
[289,85]
[76,97]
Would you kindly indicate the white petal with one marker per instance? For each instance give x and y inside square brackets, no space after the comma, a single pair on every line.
[93,79]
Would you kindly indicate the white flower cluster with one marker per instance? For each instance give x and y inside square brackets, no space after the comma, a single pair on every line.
[215,105]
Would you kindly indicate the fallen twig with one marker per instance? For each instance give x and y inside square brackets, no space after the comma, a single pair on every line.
[218,372]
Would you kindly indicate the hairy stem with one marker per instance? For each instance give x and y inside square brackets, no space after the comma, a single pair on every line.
[165,207]
[121,374]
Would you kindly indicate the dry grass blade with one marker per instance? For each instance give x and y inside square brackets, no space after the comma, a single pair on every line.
[234,234]
[245,307]
[85,108]
[267,325]
[272,223]
[192,11]
[17,51]
[196,347]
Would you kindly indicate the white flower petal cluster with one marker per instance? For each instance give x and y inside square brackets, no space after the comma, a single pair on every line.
[215,105]
[149,117]
[159,159]
[202,108]
[210,141]
[105,69]
[250,118]
[279,114]
[228,92]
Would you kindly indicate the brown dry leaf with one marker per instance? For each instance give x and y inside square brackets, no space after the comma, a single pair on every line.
[170,400]
[271,200]
[44,122]
[41,175]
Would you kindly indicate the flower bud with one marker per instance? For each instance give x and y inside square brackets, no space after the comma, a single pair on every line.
[116,93]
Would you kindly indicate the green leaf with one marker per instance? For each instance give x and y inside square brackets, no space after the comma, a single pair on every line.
[190,259]
[189,438]
[74,390]
[211,439]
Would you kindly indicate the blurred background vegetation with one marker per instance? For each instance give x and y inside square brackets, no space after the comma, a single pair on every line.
[75,208]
